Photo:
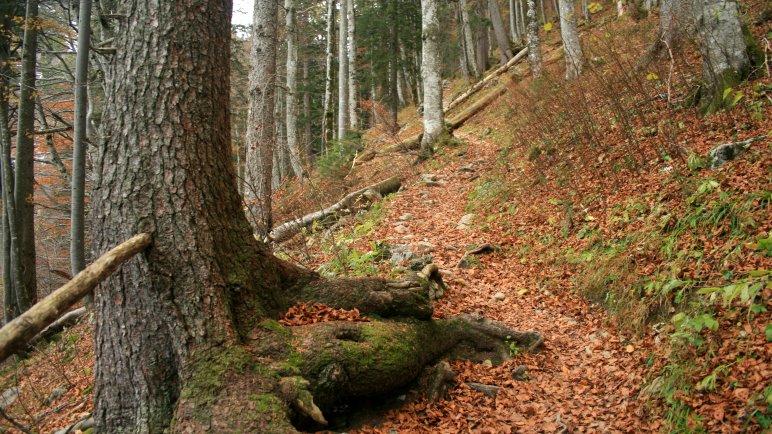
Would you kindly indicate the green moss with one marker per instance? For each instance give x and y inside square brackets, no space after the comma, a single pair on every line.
[755,53]
[209,370]
[712,96]
[265,403]
[274,326]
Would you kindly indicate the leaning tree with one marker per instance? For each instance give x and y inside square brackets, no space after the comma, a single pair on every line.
[186,337]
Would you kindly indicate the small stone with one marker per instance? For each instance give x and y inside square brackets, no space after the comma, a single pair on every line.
[487,363]
[406,217]
[400,253]
[56,394]
[466,221]
[428,177]
[400,229]
[486,389]
[518,373]
[417,264]
[499,296]
[8,397]
[423,248]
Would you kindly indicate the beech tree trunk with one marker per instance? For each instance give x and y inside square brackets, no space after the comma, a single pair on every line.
[343,70]
[468,39]
[26,288]
[185,336]
[292,89]
[571,46]
[78,195]
[327,117]
[353,90]
[534,44]
[431,65]
[505,52]
[725,61]
[261,128]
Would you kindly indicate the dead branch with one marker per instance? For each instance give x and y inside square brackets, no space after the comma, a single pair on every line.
[373,193]
[15,335]
[480,84]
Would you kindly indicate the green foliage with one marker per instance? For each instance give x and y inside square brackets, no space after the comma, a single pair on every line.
[336,163]
[348,260]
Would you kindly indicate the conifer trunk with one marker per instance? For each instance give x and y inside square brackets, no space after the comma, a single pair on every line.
[292,89]
[327,116]
[343,70]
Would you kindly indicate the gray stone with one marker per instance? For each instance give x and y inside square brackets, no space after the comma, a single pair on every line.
[400,229]
[400,253]
[406,217]
[417,264]
[56,394]
[499,296]
[8,397]
[466,221]
[423,248]
[722,154]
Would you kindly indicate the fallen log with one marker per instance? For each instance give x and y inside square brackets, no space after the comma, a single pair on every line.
[66,320]
[373,193]
[17,333]
[455,123]
[480,84]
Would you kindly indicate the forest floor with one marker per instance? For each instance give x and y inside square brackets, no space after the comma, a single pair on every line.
[647,271]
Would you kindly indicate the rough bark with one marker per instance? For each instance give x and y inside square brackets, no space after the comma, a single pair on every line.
[78,194]
[393,64]
[571,46]
[15,335]
[505,52]
[307,139]
[261,129]
[343,123]
[327,116]
[430,74]
[353,90]
[26,288]
[184,336]
[347,204]
[724,50]
[292,89]
[534,43]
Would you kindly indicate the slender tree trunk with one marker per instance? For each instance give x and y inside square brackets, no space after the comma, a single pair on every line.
[534,44]
[353,90]
[327,117]
[521,8]
[26,290]
[505,52]
[343,70]
[513,30]
[292,89]
[77,210]
[543,13]
[394,64]
[483,44]
[620,7]
[261,125]
[10,248]
[430,74]
[586,9]
[469,46]
[308,140]
[571,46]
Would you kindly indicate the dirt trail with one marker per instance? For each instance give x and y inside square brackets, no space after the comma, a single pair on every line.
[586,380]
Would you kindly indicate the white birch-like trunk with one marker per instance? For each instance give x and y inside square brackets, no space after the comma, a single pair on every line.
[327,117]
[505,52]
[534,44]
[521,8]
[430,74]
[342,70]
[586,9]
[571,46]
[307,139]
[400,87]
[513,30]
[353,91]
[261,125]
[291,101]
[620,7]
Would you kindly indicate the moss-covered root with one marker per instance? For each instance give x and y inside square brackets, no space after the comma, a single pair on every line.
[344,361]
[409,299]
[228,390]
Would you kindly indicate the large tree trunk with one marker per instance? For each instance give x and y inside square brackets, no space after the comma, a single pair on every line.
[343,70]
[261,129]
[724,50]
[534,44]
[430,75]
[353,90]
[184,340]
[78,194]
[505,52]
[571,47]
[327,116]
[292,89]
[26,289]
